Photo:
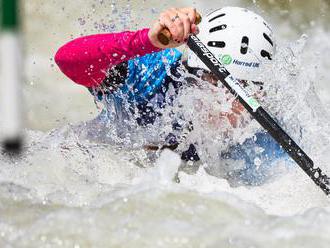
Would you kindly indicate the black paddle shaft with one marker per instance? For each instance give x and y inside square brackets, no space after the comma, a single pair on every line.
[259,114]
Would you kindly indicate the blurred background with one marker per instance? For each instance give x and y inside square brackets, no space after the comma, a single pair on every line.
[51,100]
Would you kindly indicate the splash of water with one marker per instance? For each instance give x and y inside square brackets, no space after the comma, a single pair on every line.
[76,177]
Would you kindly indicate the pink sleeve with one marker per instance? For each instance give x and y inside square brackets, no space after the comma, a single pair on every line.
[86,60]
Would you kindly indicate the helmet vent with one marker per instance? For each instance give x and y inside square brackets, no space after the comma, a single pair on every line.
[216,17]
[245,45]
[266,54]
[267,26]
[219,44]
[268,39]
[218,28]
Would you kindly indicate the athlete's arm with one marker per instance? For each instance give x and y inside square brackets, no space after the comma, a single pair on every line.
[86,60]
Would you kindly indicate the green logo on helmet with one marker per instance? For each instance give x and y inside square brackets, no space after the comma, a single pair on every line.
[226,59]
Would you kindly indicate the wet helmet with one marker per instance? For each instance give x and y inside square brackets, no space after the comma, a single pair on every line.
[239,38]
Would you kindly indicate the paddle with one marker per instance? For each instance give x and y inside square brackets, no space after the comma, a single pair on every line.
[259,114]
[254,108]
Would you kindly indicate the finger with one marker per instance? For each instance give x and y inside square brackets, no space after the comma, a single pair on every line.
[166,19]
[233,120]
[191,13]
[184,19]
[194,29]
[237,107]
[158,26]
[175,18]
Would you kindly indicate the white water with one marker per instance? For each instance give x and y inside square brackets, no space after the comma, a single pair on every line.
[70,191]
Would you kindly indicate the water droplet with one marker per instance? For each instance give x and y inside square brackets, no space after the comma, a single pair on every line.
[81,21]
[154,11]
[257,162]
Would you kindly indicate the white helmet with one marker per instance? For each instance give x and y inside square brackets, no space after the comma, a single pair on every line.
[239,38]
